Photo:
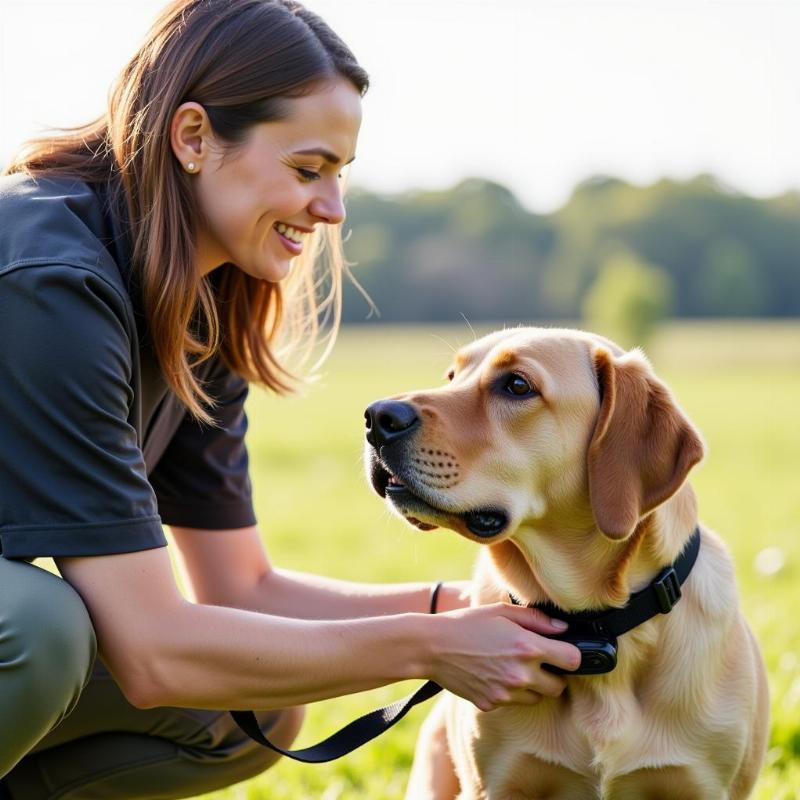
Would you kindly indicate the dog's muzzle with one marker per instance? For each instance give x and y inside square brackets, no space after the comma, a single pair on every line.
[390,423]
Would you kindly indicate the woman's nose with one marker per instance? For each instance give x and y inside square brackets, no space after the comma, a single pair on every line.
[328,205]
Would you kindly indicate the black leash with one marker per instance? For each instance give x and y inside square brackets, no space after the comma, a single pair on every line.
[594,633]
[358,732]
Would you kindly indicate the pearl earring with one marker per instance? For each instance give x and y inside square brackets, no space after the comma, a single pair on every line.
[191,167]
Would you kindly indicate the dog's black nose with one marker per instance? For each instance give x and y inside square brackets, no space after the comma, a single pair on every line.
[388,420]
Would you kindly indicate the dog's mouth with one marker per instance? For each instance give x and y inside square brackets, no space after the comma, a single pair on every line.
[426,514]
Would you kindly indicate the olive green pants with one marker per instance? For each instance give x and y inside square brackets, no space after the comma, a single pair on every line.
[67,732]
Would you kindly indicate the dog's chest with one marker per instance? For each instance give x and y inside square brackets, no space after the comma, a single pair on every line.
[587,731]
[579,747]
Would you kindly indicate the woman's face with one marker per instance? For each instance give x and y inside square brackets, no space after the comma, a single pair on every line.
[261,201]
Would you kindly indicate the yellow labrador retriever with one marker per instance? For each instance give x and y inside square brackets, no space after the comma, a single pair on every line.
[567,459]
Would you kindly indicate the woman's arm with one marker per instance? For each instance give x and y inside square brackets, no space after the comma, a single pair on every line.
[165,650]
[231,568]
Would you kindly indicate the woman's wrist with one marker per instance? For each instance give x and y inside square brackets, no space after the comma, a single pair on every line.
[428,634]
[436,588]
[453,595]
[443,597]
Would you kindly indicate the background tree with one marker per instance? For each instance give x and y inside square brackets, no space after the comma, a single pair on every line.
[628,299]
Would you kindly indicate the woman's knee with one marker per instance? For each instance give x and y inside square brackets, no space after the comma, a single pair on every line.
[46,633]
[47,647]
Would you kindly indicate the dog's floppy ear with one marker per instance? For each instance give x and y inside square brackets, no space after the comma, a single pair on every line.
[642,447]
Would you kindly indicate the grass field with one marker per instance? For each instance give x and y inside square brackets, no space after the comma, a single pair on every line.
[740,383]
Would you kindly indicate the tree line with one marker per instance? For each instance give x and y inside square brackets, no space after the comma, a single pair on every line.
[474,250]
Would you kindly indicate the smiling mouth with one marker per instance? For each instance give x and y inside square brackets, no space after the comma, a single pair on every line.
[483,522]
[291,238]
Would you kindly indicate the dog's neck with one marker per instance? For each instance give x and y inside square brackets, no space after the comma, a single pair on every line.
[581,569]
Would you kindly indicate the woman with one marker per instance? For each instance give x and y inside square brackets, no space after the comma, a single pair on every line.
[148,263]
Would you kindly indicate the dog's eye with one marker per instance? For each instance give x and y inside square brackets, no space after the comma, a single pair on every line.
[518,386]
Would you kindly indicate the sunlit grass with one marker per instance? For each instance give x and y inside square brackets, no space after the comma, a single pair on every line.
[740,384]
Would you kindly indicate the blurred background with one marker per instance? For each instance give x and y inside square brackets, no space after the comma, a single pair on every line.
[617,162]
[628,166]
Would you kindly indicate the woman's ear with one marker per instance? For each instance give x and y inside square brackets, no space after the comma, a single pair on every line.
[189,135]
[642,448]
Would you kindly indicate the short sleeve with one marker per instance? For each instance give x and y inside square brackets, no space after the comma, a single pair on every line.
[72,475]
[202,479]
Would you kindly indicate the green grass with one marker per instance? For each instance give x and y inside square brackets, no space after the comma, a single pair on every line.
[740,383]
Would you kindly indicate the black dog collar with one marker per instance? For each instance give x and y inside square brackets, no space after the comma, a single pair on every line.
[595,632]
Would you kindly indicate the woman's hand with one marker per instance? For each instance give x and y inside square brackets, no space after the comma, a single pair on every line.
[493,655]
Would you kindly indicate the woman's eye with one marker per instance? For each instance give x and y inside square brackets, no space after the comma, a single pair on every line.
[308,174]
[518,386]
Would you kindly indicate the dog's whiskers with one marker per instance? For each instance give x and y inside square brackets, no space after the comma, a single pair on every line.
[452,348]
[469,325]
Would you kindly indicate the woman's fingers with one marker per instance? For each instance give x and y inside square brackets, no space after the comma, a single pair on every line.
[552,651]
[558,653]
[542,684]
[533,619]
[548,684]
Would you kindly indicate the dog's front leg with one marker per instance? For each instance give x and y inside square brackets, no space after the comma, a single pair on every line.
[433,775]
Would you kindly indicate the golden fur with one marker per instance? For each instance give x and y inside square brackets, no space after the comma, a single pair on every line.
[592,475]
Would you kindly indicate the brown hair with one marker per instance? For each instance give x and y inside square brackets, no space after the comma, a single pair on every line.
[238,59]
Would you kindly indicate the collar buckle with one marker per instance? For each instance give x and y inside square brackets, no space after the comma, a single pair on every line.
[667,589]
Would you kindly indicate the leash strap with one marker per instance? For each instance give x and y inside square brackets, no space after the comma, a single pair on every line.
[358,732]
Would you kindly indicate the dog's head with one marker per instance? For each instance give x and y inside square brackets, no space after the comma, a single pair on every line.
[537,427]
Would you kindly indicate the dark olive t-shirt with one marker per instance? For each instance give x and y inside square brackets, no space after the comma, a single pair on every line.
[95,452]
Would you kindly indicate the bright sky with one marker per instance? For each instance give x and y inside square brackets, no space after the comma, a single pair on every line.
[536,94]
